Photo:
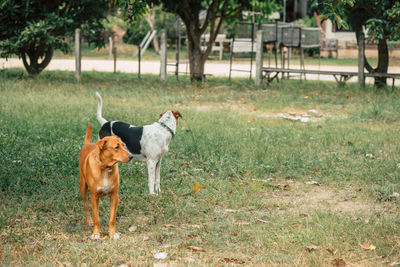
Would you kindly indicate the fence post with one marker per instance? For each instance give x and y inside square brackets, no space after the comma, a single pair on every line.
[259,57]
[78,55]
[114,51]
[110,44]
[163,59]
[361,47]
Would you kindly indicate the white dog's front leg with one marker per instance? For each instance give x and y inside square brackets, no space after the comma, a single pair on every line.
[158,167]
[151,168]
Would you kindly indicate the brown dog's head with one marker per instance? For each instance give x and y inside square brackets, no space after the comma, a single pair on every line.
[176,114]
[112,151]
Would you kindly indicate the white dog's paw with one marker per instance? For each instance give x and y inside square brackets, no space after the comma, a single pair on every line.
[95,237]
[115,236]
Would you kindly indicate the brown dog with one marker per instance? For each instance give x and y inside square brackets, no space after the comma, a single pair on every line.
[98,169]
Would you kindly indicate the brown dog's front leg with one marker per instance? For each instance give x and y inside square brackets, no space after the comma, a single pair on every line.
[94,199]
[113,211]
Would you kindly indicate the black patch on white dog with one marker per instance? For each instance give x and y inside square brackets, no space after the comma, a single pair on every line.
[105,130]
[130,135]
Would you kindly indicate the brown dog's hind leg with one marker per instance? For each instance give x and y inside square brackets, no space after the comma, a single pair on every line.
[84,190]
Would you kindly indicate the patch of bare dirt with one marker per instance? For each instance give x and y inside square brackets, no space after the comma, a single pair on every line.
[291,114]
[301,198]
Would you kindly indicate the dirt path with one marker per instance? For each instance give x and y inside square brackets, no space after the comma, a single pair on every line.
[153,67]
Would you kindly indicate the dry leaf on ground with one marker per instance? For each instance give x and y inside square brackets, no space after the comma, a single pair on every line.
[368,246]
[196,188]
[311,248]
[196,249]
[338,262]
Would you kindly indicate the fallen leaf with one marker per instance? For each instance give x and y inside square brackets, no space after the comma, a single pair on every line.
[332,251]
[307,97]
[338,262]
[231,210]
[186,163]
[233,260]
[196,188]
[132,228]
[251,121]
[313,183]
[261,220]
[311,248]
[196,249]
[161,255]
[368,246]
[285,187]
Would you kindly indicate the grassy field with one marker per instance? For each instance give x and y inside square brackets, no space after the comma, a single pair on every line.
[273,191]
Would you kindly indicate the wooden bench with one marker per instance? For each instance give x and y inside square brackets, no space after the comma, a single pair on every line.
[340,76]
[218,44]
[330,45]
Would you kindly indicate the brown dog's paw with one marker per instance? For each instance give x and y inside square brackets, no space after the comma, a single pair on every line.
[115,236]
[95,237]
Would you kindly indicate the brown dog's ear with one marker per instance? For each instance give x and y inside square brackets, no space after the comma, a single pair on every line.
[101,144]
[162,114]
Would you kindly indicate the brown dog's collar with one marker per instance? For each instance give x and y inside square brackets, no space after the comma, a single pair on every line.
[103,165]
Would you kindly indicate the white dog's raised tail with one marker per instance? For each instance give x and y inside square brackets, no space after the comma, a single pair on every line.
[99,108]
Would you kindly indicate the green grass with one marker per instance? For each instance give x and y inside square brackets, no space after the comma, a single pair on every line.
[254,207]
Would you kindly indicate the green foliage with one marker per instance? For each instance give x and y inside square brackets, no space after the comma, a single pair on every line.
[36,27]
[334,10]
[263,9]
[307,21]
[380,18]
[387,25]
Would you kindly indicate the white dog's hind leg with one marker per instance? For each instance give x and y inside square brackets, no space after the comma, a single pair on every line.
[151,168]
[158,167]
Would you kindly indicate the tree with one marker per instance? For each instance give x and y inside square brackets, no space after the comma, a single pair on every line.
[150,18]
[33,29]
[216,12]
[381,19]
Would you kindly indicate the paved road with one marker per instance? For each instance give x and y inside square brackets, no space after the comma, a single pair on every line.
[215,69]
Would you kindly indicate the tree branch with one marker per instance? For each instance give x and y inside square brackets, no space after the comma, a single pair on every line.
[214,33]
[210,12]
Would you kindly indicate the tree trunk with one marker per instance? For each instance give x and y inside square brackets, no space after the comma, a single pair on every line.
[383,62]
[33,67]
[196,60]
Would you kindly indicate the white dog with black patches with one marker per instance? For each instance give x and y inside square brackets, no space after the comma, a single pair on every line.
[147,143]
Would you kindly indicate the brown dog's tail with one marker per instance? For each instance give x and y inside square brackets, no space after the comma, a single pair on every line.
[88,135]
